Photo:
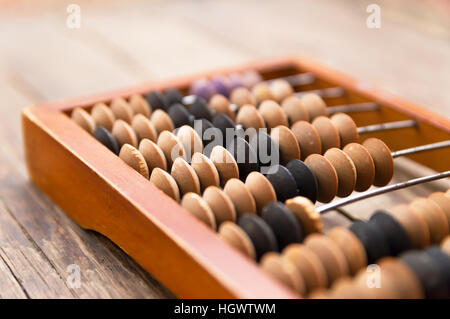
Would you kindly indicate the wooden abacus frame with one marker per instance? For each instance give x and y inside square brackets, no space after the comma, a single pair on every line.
[100,192]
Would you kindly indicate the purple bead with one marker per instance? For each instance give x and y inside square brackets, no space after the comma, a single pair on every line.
[235,81]
[221,85]
[202,88]
[251,78]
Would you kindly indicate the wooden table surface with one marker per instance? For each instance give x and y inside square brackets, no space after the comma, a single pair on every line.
[122,43]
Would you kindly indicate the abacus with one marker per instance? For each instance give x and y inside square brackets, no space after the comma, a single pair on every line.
[206,225]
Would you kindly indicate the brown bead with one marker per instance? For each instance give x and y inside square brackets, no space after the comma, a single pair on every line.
[315,105]
[287,143]
[240,196]
[326,176]
[281,89]
[83,119]
[206,171]
[143,128]
[249,117]
[198,207]
[368,288]
[185,177]
[262,92]
[345,170]
[434,217]
[103,116]
[171,147]
[225,164]
[221,105]
[443,202]
[220,204]
[447,193]
[124,134]
[308,264]
[306,213]
[134,159]
[351,247]
[348,132]
[165,182]
[343,288]
[122,110]
[414,225]
[382,159]
[329,135]
[330,255]
[139,105]
[153,155]
[284,271]
[445,246]
[308,138]
[242,96]
[161,121]
[261,189]
[237,238]
[294,109]
[272,114]
[365,168]
[190,139]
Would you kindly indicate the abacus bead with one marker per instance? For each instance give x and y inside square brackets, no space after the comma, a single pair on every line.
[345,170]
[165,182]
[249,117]
[180,115]
[261,235]
[330,255]
[329,135]
[442,260]
[244,155]
[414,225]
[153,155]
[351,247]
[445,246]
[294,109]
[305,179]
[134,159]
[281,89]
[394,232]
[220,204]
[348,132]
[173,96]
[139,105]
[308,264]
[315,105]
[306,213]
[206,171]
[161,121]
[326,176]
[241,96]
[261,189]
[204,128]
[221,85]
[284,271]
[225,125]
[171,147]
[202,88]
[282,181]
[107,139]
[157,100]
[185,177]
[373,240]
[287,143]
[433,216]
[199,109]
[103,116]
[225,164]
[143,128]
[198,207]
[237,238]
[266,149]
[251,78]
[235,81]
[443,202]
[365,168]
[122,110]
[262,92]
[307,138]
[382,159]
[124,134]
[83,119]
[272,114]
[283,223]
[240,196]
[220,104]
[192,143]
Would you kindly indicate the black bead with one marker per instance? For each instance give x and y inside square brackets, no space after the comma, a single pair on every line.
[245,157]
[264,146]
[107,139]
[372,239]
[199,109]
[395,234]
[180,116]
[305,179]
[210,135]
[284,224]
[260,234]
[442,260]
[282,181]
[428,273]
[157,100]
[223,122]
[173,96]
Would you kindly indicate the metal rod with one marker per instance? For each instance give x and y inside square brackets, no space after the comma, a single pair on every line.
[297,79]
[386,126]
[357,107]
[328,207]
[324,93]
[420,149]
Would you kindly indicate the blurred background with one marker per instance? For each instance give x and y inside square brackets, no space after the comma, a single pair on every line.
[123,43]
